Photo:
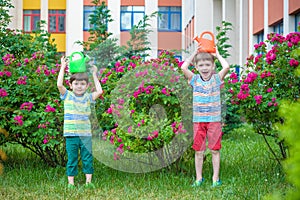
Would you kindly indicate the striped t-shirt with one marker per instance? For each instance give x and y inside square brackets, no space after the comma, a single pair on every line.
[77,111]
[206,99]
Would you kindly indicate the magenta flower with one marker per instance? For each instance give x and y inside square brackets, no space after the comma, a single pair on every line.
[269,90]
[129,129]
[294,63]
[22,80]
[250,77]
[258,99]
[26,106]
[3,92]
[7,73]
[270,104]
[49,109]
[45,141]
[18,120]
[149,138]
[121,101]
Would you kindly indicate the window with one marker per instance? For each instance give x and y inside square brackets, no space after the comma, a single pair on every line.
[260,37]
[57,21]
[169,18]
[278,28]
[130,16]
[297,21]
[31,19]
[88,10]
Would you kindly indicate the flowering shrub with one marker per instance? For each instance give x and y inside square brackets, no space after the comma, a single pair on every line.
[271,77]
[150,104]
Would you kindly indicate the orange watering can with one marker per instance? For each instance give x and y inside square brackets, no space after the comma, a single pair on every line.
[206,44]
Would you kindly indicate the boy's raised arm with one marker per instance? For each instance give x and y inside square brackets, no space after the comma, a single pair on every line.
[98,87]
[225,65]
[186,64]
[60,78]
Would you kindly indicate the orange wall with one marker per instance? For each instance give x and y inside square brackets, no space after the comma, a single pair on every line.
[169,2]
[294,6]
[258,16]
[124,37]
[133,2]
[275,12]
[169,40]
[89,2]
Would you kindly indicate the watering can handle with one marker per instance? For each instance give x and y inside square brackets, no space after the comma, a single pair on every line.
[210,33]
[74,53]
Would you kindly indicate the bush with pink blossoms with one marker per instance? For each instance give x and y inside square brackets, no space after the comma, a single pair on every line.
[146,105]
[270,77]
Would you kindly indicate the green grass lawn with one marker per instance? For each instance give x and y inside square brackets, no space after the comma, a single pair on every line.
[248,171]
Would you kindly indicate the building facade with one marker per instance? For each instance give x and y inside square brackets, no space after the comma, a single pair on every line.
[179,22]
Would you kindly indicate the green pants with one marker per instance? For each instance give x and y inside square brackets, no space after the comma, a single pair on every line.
[73,146]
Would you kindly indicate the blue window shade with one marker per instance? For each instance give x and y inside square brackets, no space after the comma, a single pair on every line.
[278,28]
[297,21]
[169,18]
[87,11]
[130,16]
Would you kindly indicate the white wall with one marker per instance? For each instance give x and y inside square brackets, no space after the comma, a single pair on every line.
[114,26]
[150,7]
[74,26]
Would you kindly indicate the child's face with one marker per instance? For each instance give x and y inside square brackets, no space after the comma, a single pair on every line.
[79,87]
[206,68]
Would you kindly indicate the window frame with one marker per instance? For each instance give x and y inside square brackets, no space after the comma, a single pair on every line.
[88,12]
[57,15]
[132,12]
[297,21]
[278,28]
[169,13]
[31,15]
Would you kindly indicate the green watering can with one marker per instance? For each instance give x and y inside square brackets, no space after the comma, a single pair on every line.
[78,65]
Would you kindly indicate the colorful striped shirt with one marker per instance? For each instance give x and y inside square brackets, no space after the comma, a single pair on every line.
[206,99]
[77,111]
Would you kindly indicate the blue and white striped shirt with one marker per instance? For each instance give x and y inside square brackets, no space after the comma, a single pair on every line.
[206,99]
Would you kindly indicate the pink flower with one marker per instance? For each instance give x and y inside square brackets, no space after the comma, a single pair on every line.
[45,141]
[26,60]
[121,101]
[116,156]
[165,91]
[129,129]
[3,92]
[270,104]
[49,109]
[250,77]
[294,63]
[22,80]
[27,106]
[155,134]
[233,75]
[7,73]
[269,90]
[258,99]
[114,130]
[149,138]
[18,120]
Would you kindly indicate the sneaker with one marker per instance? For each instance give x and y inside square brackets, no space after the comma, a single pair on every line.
[217,183]
[89,186]
[71,186]
[198,183]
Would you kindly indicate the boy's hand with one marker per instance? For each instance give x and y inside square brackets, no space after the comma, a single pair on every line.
[64,61]
[94,69]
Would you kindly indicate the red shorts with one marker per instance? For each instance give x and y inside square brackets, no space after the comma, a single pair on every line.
[210,130]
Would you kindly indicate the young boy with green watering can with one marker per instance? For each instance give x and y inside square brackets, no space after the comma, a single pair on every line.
[77,126]
[206,108]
